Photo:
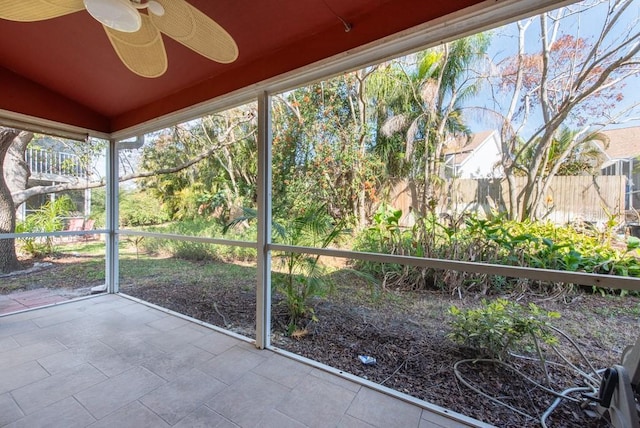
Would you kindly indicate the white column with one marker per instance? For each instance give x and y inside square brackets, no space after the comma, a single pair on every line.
[112,267]
[263,291]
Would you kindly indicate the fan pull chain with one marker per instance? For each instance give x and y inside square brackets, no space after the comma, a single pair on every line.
[347,26]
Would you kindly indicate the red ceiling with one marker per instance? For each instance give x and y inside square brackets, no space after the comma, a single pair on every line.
[64,69]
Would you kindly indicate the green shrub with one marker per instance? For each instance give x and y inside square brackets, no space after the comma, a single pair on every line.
[499,241]
[197,250]
[48,218]
[502,326]
[140,209]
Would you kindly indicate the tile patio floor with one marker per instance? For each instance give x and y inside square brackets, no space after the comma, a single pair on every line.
[108,361]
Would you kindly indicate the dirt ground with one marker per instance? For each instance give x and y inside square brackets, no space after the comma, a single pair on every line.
[406,332]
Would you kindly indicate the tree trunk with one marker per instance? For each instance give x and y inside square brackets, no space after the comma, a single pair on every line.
[15,165]
[8,257]
[361,125]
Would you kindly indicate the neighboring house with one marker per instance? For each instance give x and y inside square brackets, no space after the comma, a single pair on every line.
[622,157]
[478,157]
[50,162]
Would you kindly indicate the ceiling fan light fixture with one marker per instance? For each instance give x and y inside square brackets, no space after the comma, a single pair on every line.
[151,5]
[119,15]
[155,8]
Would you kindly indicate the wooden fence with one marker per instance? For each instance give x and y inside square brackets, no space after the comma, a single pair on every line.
[569,198]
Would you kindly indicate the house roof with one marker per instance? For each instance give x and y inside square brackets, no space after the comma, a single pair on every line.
[463,148]
[64,69]
[624,143]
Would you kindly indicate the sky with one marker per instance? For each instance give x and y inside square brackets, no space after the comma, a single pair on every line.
[587,25]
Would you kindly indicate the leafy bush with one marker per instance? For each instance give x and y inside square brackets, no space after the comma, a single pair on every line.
[502,326]
[140,209]
[499,241]
[197,250]
[48,218]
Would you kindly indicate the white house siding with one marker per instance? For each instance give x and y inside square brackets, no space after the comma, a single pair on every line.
[484,161]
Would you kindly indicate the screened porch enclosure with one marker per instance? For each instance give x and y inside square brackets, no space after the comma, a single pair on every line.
[131,357]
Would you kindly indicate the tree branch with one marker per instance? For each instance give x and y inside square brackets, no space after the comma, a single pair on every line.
[22,196]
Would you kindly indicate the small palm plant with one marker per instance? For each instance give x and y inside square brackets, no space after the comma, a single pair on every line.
[48,218]
[302,277]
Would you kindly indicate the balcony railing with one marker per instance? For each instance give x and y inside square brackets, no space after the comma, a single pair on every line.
[52,163]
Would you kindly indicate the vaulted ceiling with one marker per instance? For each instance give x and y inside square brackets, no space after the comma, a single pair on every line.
[65,70]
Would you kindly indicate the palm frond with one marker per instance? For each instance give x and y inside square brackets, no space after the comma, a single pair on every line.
[429,93]
[393,125]
[412,132]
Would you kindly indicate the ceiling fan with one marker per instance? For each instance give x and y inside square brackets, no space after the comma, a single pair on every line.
[134,27]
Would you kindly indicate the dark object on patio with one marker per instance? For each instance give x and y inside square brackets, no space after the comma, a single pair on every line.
[619,389]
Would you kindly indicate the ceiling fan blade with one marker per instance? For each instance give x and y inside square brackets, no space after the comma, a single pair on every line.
[141,52]
[38,10]
[189,26]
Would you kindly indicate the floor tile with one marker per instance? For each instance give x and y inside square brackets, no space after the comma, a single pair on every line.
[9,410]
[8,343]
[203,417]
[283,370]
[118,391]
[23,316]
[80,330]
[248,399]
[215,343]
[176,399]
[9,327]
[136,315]
[317,403]
[381,410]
[42,393]
[106,303]
[435,420]
[351,422]
[232,364]
[168,323]
[89,351]
[275,419]
[68,333]
[175,339]
[43,334]
[114,364]
[132,415]
[67,413]
[18,376]
[66,314]
[129,339]
[132,348]
[171,365]
[336,380]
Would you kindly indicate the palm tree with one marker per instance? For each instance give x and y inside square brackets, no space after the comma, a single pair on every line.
[422,112]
